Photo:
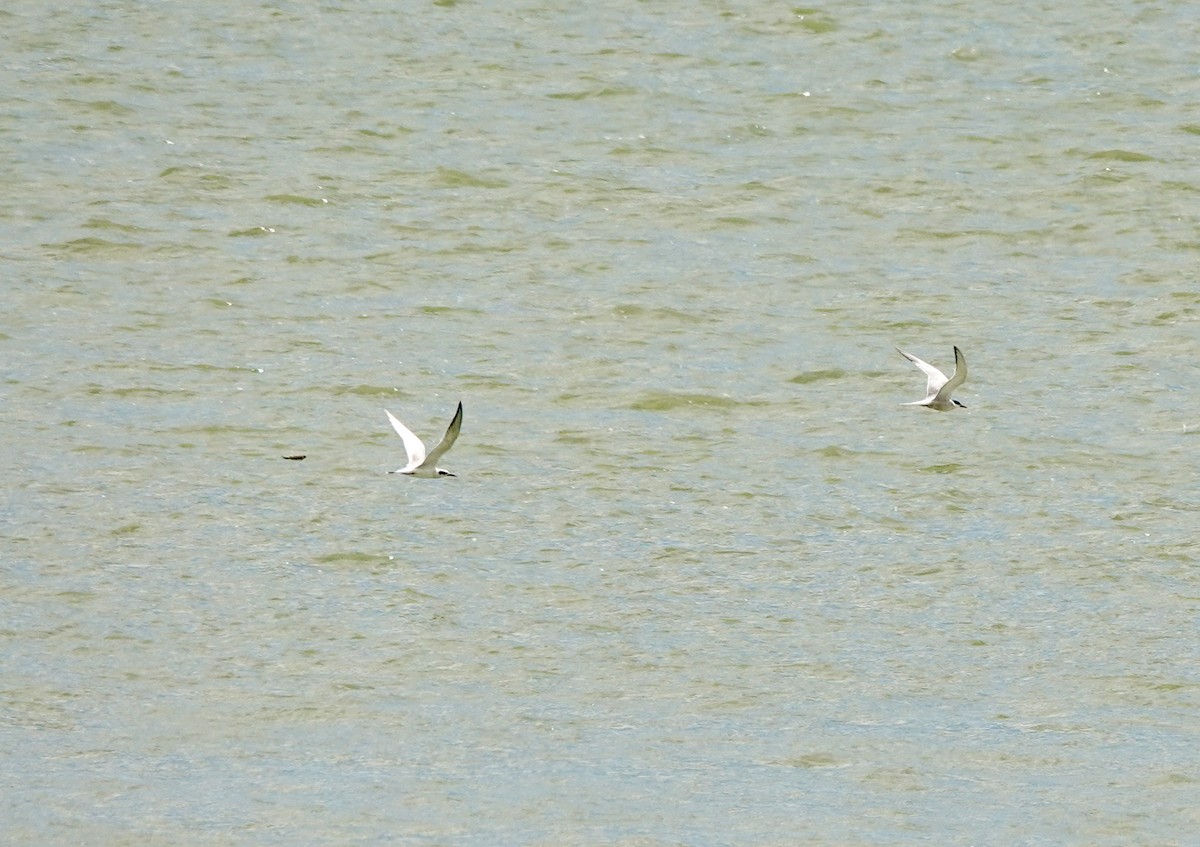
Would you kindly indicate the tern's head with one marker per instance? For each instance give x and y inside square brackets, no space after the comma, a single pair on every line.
[445,473]
[960,405]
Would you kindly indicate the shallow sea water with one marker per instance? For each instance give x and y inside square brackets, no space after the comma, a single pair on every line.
[701,579]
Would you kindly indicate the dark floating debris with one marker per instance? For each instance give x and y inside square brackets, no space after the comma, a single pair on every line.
[297,457]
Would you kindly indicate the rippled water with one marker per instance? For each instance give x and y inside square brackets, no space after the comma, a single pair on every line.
[701,578]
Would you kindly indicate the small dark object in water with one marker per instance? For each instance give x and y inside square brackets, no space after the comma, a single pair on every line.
[297,457]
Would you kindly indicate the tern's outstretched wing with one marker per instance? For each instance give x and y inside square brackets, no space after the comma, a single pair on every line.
[935,378]
[960,376]
[447,440]
[412,444]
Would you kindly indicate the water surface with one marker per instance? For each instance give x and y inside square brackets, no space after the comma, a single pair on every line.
[701,578]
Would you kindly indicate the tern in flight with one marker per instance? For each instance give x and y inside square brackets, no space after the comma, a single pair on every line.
[938,389]
[419,463]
